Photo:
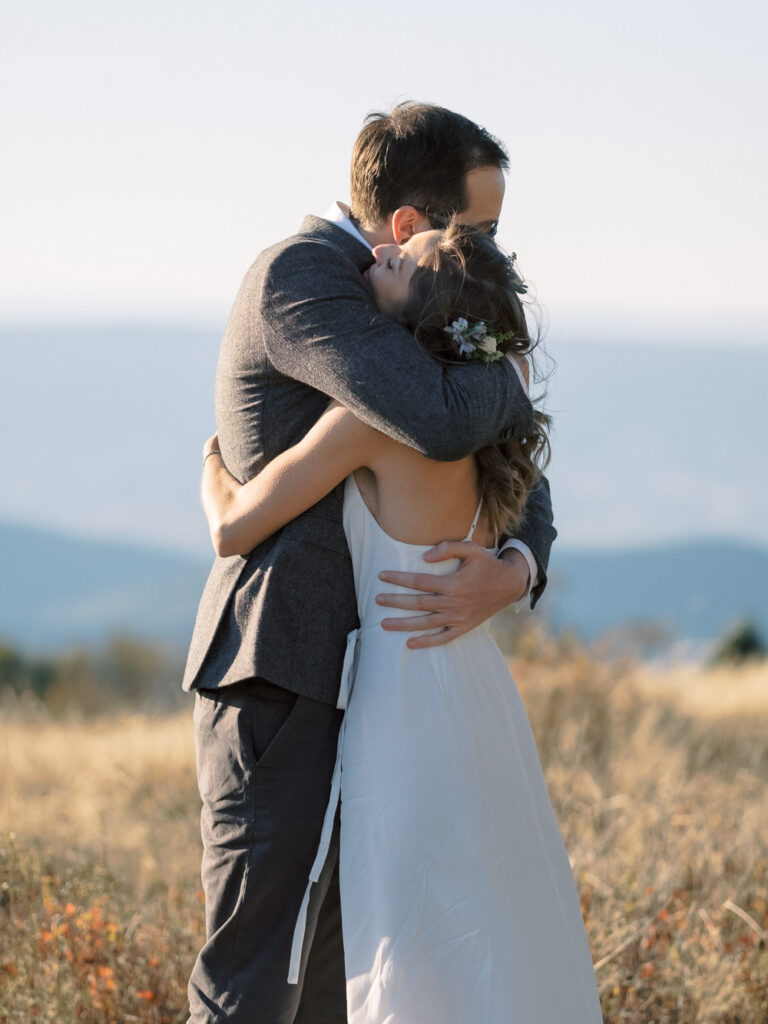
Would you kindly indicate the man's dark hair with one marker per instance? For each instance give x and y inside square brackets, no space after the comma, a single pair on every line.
[418,155]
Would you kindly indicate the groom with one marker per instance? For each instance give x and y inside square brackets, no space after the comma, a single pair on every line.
[268,645]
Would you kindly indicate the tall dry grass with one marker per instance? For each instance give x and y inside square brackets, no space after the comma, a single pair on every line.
[658,781]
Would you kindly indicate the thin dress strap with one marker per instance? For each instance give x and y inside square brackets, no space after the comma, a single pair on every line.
[475,520]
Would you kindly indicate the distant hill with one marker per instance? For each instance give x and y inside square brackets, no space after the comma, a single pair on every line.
[60,590]
[696,588]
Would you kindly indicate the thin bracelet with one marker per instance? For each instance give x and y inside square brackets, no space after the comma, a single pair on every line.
[213,451]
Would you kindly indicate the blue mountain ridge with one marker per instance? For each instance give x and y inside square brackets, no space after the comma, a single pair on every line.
[61,590]
[696,589]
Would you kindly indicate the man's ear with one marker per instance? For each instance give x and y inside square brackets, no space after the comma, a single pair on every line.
[407,221]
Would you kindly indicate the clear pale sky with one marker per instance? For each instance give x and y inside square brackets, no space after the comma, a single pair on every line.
[150,149]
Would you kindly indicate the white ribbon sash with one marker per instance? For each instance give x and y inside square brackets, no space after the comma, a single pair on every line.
[345,690]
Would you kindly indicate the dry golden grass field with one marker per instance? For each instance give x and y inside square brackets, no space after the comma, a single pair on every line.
[659,785]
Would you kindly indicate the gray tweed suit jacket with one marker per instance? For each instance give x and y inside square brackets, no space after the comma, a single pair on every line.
[303,328]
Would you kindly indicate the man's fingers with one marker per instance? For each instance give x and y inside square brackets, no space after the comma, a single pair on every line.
[435,639]
[425,581]
[411,622]
[414,602]
[449,549]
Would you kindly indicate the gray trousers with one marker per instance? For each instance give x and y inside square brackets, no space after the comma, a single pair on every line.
[265,757]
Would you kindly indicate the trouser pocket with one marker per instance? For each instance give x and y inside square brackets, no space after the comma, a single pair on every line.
[234,732]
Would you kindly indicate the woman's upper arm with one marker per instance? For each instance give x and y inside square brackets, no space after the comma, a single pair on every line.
[332,448]
[298,478]
[338,443]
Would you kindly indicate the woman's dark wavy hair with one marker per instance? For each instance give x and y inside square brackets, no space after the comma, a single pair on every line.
[467,275]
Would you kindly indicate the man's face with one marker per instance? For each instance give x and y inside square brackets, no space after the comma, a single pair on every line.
[485,193]
[484,187]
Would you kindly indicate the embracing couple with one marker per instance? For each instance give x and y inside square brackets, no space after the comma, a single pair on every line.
[379,843]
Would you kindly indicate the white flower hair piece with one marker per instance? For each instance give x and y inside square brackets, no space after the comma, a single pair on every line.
[474,342]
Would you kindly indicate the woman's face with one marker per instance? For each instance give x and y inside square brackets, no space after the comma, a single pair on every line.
[390,276]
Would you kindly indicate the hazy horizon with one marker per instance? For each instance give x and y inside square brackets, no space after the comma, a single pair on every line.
[638,329]
[650,443]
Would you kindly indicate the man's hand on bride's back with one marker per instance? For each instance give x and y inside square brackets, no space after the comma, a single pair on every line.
[459,601]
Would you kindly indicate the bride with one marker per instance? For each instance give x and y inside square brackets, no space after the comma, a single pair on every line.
[458,901]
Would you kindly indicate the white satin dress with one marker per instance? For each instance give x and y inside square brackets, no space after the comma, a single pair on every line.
[457,897]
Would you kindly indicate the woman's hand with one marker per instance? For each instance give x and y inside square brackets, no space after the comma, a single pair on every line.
[211,446]
[219,493]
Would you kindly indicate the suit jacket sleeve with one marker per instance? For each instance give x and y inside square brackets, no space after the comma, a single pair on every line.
[321,328]
[537,531]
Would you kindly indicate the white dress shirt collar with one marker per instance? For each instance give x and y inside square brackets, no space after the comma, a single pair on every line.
[338,213]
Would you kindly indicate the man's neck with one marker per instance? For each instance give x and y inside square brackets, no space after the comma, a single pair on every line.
[381,235]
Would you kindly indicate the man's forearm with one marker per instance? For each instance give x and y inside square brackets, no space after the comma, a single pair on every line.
[335,342]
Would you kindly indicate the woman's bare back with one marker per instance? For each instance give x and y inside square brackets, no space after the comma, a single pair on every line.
[420,501]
